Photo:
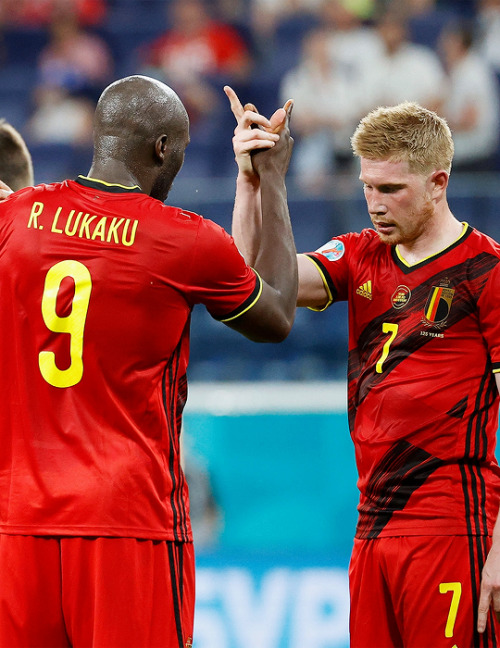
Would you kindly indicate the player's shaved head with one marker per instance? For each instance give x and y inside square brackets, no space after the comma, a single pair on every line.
[132,116]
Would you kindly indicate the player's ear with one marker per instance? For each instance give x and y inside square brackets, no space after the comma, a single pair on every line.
[439,181]
[161,147]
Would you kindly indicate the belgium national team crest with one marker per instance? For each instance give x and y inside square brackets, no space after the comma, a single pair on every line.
[438,305]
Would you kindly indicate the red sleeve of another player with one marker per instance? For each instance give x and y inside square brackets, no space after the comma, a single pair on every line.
[220,279]
[489,315]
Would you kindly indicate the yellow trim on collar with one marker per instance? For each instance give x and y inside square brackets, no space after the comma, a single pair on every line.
[109,184]
[410,265]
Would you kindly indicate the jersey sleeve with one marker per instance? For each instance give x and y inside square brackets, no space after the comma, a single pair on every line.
[333,261]
[220,279]
[489,315]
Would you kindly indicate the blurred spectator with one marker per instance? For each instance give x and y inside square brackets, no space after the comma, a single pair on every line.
[489,32]
[328,103]
[72,71]
[40,13]
[232,11]
[59,118]
[354,44]
[405,71]
[74,60]
[471,104]
[196,52]
[267,15]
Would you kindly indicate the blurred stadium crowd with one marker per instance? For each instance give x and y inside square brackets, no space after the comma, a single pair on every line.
[336,58]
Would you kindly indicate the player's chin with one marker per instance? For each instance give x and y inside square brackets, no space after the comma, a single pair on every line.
[392,238]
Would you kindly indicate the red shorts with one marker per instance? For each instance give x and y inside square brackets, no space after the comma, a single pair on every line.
[418,592]
[95,592]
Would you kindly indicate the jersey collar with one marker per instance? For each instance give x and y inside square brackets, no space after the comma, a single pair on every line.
[407,268]
[106,186]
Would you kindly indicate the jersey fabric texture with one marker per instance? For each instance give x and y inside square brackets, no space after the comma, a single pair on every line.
[424,343]
[98,282]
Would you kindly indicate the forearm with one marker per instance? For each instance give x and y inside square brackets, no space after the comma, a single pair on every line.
[276,260]
[247,217]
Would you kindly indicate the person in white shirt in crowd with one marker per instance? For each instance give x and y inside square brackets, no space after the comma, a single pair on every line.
[488,16]
[265,15]
[471,106]
[405,71]
[327,103]
[354,42]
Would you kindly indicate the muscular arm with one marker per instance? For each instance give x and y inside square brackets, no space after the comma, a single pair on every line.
[247,217]
[261,222]
[271,318]
[490,579]
[247,213]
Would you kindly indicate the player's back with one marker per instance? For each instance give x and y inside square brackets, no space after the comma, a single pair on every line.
[94,344]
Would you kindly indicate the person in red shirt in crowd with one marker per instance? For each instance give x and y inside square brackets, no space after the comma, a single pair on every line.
[194,52]
[39,13]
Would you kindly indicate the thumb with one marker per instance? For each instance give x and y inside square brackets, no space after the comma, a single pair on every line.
[278,119]
[250,106]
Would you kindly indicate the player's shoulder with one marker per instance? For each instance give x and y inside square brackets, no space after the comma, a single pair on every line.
[479,242]
[187,218]
[183,215]
[207,233]
[366,238]
[32,192]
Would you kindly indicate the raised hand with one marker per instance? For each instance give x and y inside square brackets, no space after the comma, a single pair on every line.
[253,132]
[278,158]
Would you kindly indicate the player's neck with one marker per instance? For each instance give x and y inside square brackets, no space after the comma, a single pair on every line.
[436,238]
[114,172]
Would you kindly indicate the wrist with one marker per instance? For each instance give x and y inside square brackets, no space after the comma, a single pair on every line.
[248,180]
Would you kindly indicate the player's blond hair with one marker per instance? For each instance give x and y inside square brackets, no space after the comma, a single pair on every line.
[405,133]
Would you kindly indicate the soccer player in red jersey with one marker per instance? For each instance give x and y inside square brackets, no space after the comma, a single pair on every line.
[99,278]
[423,372]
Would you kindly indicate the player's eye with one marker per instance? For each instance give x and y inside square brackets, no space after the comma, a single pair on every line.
[388,189]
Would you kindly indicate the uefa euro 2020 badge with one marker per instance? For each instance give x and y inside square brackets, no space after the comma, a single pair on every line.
[189,642]
[333,250]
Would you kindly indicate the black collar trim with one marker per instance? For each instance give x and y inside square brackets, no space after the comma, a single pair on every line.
[92,183]
[407,269]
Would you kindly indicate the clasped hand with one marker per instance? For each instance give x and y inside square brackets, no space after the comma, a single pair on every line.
[254,133]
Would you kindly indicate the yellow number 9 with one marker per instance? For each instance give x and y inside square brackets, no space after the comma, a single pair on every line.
[74,323]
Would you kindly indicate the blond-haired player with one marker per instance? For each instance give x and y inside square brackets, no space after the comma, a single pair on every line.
[424,370]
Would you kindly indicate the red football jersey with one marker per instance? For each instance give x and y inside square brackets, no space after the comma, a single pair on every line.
[98,282]
[424,342]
